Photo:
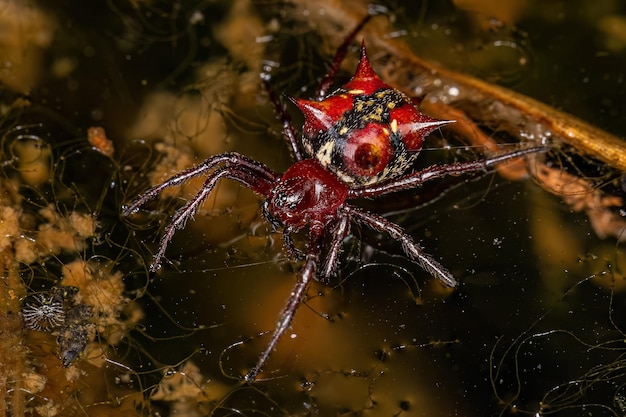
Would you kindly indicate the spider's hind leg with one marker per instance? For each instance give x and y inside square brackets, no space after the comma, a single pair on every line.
[469,130]
[433,172]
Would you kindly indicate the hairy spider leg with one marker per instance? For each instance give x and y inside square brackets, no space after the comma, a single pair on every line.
[231,158]
[416,179]
[253,175]
[340,55]
[289,245]
[339,233]
[180,217]
[280,108]
[410,247]
[307,274]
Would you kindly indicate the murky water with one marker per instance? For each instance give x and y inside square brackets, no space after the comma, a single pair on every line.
[535,326]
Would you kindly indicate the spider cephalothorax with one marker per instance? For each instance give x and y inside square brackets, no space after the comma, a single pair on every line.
[359,141]
[305,193]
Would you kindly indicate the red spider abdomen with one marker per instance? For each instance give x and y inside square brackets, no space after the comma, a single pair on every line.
[305,193]
[366,132]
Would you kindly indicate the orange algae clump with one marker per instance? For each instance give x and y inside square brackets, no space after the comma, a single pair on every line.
[103,291]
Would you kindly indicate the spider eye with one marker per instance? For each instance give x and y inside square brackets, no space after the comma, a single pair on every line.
[288,199]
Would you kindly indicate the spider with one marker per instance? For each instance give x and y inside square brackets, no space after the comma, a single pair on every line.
[358,142]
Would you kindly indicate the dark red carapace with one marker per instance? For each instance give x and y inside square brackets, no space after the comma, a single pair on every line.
[360,141]
[305,193]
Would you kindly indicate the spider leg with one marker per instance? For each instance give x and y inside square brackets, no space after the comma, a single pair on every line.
[341,230]
[287,231]
[280,108]
[245,176]
[412,249]
[232,159]
[416,179]
[307,274]
[467,128]
[291,248]
[340,55]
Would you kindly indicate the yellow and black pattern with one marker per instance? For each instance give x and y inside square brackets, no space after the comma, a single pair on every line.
[365,145]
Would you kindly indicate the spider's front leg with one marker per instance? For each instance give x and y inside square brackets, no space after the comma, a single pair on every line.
[410,247]
[307,274]
[252,174]
[231,158]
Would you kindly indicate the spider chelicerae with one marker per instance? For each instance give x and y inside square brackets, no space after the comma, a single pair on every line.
[360,141]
